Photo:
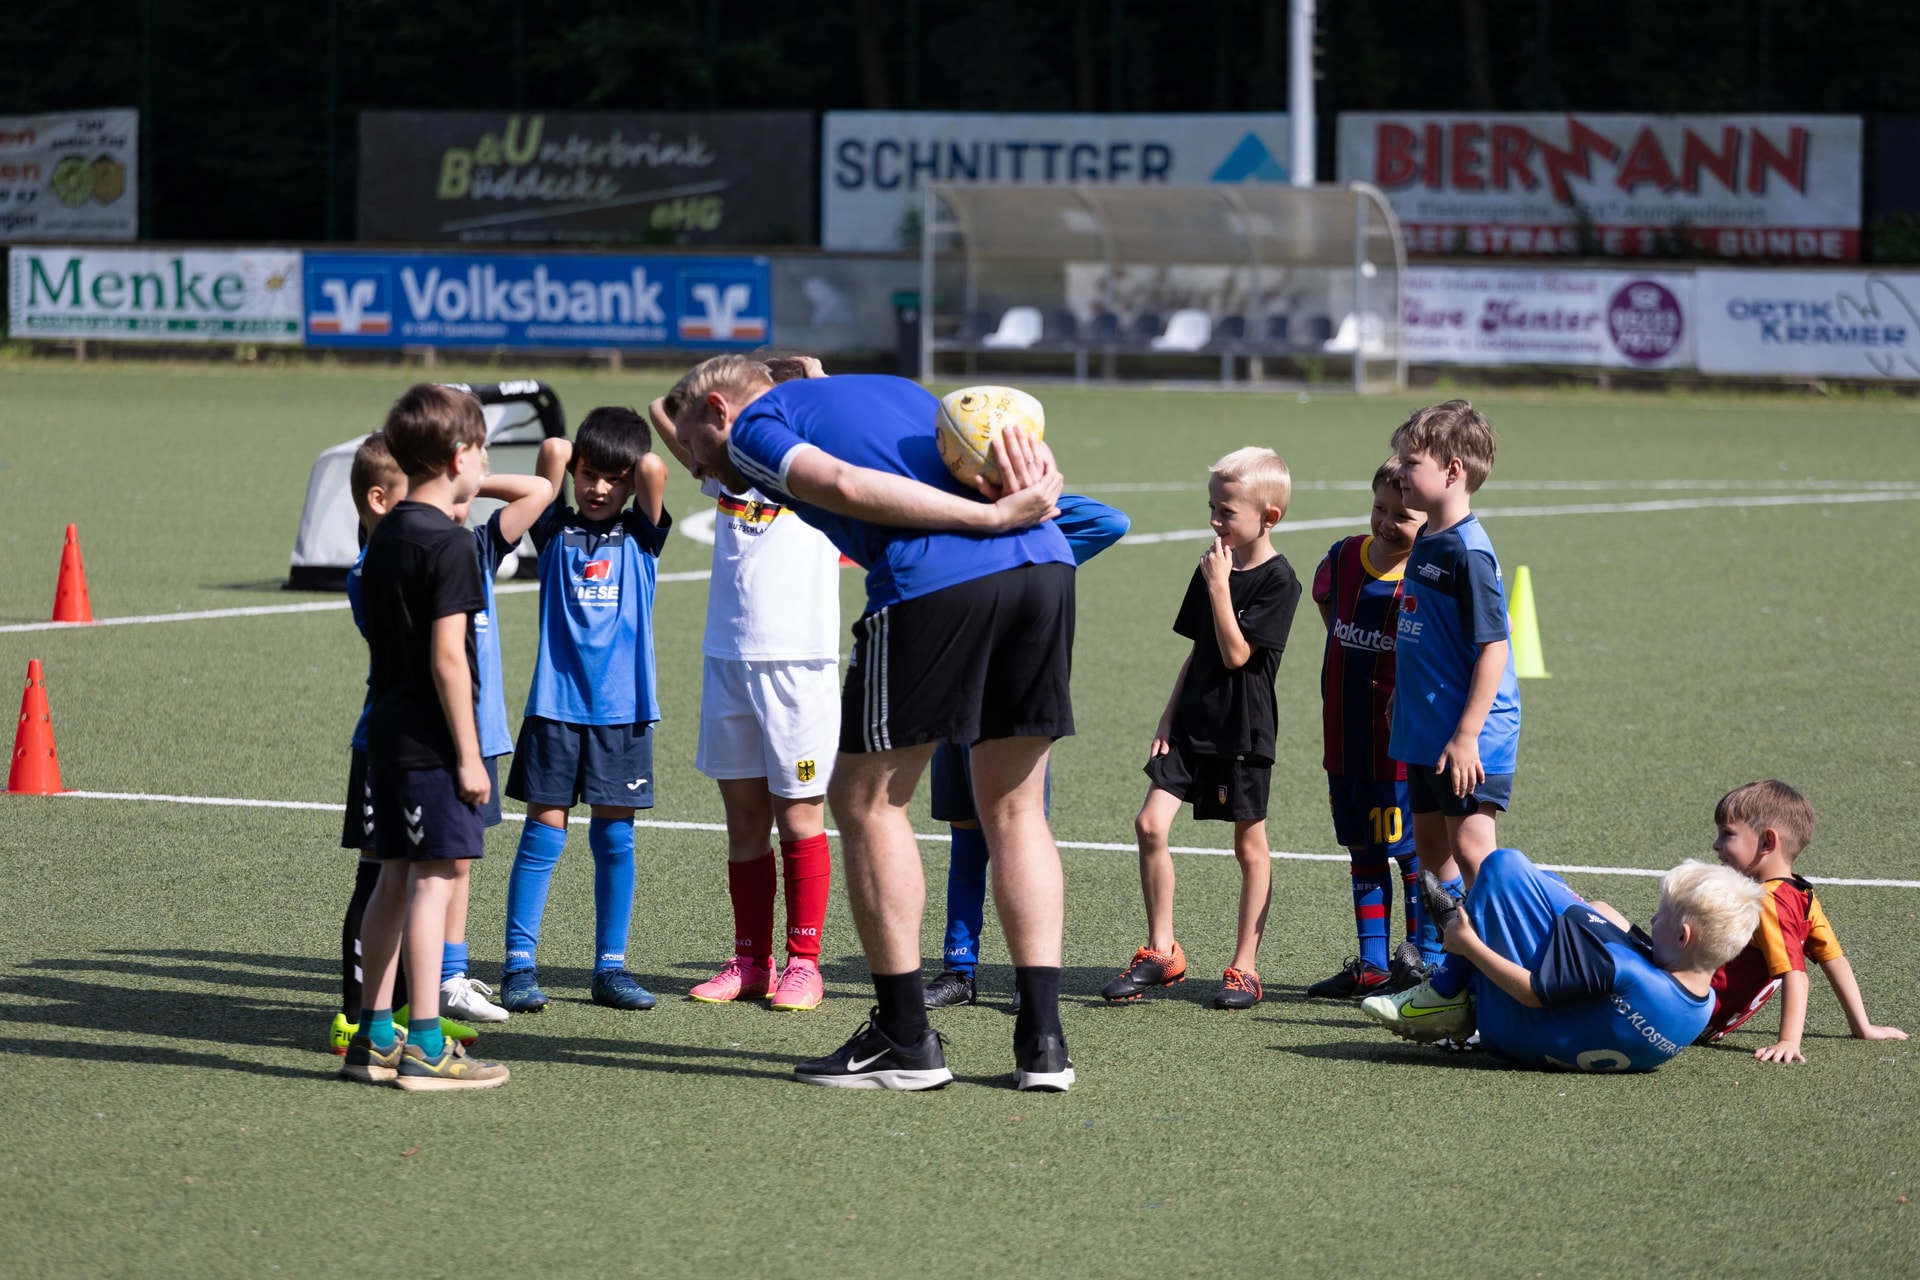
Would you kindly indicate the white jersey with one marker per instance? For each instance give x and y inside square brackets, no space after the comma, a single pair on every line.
[775,594]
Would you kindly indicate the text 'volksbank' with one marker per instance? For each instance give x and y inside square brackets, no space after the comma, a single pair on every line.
[481,294]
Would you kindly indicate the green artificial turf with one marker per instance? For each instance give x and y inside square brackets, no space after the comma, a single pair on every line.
[167,972]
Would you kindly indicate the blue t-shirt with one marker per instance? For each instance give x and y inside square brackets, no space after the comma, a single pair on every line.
[359,742]
[883,424]
[1451,602]
[491,709]
[1089,527]
[597,579]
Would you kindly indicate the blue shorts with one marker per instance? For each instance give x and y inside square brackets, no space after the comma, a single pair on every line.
[357,833]
[556,763]
[1371,815]
[418,815]
[951,784]
[1513,906]
[1428,790]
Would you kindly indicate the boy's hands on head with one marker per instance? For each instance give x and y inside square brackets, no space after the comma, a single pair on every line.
[650,485]
[1023,463]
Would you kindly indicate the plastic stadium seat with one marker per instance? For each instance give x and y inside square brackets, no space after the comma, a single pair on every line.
[1230,332]
[1105,328]
[974,327]
[1145,327]
[1276,331]
[1188,329]
[1319,330]
[1368,331]
[1063,329]
[1019,329]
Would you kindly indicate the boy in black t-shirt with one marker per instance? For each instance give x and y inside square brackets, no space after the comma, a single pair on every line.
[1215,742]
[420,586]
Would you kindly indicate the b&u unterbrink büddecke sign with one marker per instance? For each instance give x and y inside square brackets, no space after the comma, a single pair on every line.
[1736,186]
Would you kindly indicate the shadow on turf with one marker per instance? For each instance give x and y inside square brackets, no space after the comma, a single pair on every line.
[1390,1053]
[142,1055]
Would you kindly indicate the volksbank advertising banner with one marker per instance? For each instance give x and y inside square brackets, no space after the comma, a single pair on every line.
[535,300]
[587,177]
[72,176]
[873,163]
[1738,186]
[1844,324]
[149,295]
[1536,315]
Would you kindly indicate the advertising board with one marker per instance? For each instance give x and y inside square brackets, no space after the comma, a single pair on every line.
[72,176]
[872,163]
[1844,324]
[536,300]
[1538,315]
[154,295]
[1744,186]
[587,177]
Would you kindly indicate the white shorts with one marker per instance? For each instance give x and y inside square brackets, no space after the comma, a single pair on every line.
[774,720]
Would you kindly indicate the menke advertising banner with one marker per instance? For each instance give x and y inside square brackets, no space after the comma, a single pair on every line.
[1732,186]
[1537,315]
[73,176]
[873,163]
[1836,324]
[587,177]
[154,295]
[529,300]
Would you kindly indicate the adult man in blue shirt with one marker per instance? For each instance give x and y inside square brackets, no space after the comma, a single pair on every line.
[967,637]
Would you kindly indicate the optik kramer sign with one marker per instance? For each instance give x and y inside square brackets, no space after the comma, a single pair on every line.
[1735,186]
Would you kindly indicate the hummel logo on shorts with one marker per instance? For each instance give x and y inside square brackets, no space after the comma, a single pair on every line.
[416,829]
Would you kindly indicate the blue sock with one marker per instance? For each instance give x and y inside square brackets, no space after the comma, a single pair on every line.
[1419,924]
[611,840]
[425,1032]
[533,865]
[1372,896]
[378,1024]
[453,960]
[1450,979]
[966,898]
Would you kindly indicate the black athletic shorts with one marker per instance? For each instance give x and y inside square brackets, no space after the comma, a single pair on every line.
[1221,788]
[357,831]
[989,658]
[418,815]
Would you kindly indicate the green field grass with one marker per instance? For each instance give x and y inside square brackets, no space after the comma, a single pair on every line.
[168,970]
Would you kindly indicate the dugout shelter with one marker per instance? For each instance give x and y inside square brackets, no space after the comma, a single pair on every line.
[1304,282]
[517,413]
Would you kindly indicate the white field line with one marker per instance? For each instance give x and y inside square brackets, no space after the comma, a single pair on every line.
[1493,486]
[229,802]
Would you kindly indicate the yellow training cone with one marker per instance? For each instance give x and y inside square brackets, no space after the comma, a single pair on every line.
[1528,662]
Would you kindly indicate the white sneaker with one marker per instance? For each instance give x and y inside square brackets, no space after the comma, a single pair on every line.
[466,999]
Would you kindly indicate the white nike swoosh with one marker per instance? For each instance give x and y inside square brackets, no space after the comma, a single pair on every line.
[854,1064]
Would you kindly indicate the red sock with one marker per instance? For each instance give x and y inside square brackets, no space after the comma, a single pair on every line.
[750,885]
[809,871]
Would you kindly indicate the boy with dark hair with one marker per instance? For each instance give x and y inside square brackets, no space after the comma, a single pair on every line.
[588,732]
[1456,705]
[421,586]
[1762,829]
[1215,742]
[1357,588]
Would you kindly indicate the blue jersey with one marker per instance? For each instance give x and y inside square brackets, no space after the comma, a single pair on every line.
[1451,602]
[1356,671]
[359,742]
[884,424]
[490,711]
[1089,527]
[1605,1004]
[597,579]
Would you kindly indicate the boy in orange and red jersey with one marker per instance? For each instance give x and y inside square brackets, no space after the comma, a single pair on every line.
[1763,826]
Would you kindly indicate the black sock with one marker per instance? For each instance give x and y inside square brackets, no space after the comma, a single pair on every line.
[366,875]
[1039,989]
[903,1006]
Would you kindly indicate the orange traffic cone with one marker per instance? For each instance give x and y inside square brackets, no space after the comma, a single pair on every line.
[35,770]
[70,597]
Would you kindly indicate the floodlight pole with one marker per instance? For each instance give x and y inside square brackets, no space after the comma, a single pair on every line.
[1300,161]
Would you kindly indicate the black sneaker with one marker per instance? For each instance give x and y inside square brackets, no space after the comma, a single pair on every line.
[871,1060]
[1442,905]
[1356,981]
[1042,1064]
[1409,968]
[1147,969]
[950,987]
[1239,989]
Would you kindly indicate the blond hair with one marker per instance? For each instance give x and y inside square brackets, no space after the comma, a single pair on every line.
[729,373]
[1445,432]
[1262,471]
[1722,905]
[1770,803]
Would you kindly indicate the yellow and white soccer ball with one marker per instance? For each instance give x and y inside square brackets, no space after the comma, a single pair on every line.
[971,417]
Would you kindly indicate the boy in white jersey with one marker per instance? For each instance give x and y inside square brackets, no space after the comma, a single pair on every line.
[769,720]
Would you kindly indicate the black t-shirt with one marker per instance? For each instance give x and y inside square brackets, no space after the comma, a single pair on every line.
[1226,712]
[420,566]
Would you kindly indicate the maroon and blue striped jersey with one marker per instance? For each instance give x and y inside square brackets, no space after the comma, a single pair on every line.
[1356,676]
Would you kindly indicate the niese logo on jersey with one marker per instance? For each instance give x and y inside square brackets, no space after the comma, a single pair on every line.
[1376,640]
[594,584]
[1409,625]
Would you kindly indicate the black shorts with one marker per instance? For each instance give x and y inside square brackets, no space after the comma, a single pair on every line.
[1429,790]
[557,763]
[989,658]
[1221,788]
[418,815]
[357,831]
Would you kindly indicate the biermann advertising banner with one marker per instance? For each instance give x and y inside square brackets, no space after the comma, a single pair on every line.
[587,177]
[73,176]
[1740,186]
[155,295]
